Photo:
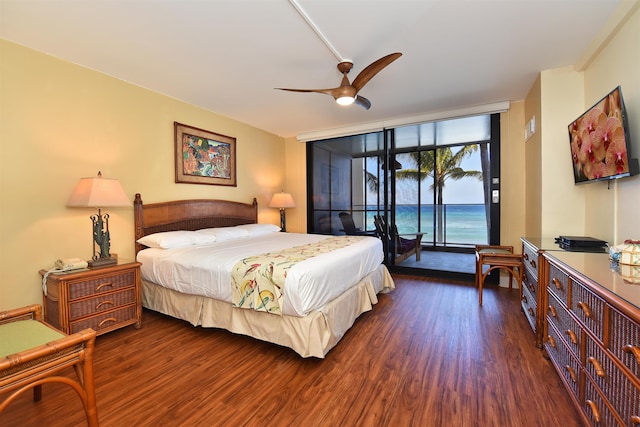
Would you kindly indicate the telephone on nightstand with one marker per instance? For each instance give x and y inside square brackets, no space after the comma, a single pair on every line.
[68,264]
[62,266]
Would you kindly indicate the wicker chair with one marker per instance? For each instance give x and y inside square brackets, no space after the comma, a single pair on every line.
[497,257]
[33,353]
[349,226]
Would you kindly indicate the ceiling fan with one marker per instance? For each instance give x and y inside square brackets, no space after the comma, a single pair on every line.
[347,93]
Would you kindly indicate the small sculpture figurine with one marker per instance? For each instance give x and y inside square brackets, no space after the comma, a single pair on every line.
[100,236]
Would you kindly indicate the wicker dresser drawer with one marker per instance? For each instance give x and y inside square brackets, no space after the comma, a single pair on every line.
[89,306]
[594,406]
[101,284]
[612,382]
[566,363]
[624,341]
[530,282]
[529,306]
[588,308]
[107,321]
[558,283]
[530,259]
[570,330]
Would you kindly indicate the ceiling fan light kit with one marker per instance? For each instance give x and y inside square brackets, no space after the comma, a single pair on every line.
[345,100]
[346,93]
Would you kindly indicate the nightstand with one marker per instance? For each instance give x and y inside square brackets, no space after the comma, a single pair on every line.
[103,299]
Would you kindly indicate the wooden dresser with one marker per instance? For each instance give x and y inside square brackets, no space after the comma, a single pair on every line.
[592,335]
[103,299]
[533,290]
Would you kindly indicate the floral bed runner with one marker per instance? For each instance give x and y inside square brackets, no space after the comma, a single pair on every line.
[258,281]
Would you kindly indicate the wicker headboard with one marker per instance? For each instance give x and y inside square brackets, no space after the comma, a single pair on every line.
[189,215]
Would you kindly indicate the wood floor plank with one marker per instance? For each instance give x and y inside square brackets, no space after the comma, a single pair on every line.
[426,355]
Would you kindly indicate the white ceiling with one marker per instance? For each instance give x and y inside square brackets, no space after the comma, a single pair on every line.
[227,56]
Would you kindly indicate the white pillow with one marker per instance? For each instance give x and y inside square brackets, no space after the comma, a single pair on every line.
[175,239]
[222,234]
[259,229]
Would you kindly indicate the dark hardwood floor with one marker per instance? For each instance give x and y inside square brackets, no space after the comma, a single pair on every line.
[427,355]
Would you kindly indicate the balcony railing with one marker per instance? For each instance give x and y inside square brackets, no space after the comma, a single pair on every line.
[442,225]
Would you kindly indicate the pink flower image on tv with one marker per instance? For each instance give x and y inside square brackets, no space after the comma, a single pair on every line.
[598,146]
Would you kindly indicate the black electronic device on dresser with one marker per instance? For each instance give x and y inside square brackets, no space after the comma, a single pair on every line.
[581,244]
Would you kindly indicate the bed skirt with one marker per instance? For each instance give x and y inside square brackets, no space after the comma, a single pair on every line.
[310,336]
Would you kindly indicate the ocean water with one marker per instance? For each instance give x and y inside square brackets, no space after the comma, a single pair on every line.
[463,224]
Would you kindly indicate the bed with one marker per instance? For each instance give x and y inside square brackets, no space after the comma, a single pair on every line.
[177,281]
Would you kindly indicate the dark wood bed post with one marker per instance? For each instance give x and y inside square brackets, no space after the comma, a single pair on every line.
[138,222]
[255,207]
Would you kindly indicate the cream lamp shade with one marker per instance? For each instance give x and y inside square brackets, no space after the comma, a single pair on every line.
[282,201]
[98,192]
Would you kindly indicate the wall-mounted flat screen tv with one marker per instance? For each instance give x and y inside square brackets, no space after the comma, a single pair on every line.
[600,144]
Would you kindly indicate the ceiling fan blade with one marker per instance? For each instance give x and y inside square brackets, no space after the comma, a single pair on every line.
[363,102]
[332,91]
[373,69]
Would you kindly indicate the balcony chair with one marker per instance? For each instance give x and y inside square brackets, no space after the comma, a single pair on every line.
[349,226]
[497,257]
[401,248]
[33,353]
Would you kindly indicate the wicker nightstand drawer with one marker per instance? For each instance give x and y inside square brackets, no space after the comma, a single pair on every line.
[85,307]
[101,284]
[103,299]
[107,321]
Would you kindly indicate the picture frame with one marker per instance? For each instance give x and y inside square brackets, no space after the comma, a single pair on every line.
[204,157]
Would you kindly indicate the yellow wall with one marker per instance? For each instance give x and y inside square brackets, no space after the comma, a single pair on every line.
[512,187]
[60,122]
[296,184]
[562,205]
[616,209]
[603,210]
[533,163]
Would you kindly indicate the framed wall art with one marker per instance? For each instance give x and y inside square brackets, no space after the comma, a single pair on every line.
[204,157]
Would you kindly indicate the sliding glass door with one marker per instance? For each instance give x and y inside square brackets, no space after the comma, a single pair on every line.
[432,178]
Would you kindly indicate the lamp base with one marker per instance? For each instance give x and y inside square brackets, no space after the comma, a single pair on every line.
[283,221]
[103,262]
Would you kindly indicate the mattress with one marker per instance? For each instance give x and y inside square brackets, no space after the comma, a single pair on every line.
[205,270]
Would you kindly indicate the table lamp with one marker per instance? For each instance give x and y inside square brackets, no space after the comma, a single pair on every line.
[99,192]
[282,201]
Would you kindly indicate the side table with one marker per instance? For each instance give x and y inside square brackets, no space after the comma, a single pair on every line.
[103,299]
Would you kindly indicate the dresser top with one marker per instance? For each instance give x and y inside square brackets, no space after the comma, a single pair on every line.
[613,277]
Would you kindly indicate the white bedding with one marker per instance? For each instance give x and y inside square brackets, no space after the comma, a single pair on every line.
[206,269]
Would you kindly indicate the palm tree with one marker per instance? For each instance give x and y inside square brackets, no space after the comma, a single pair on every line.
[441,164]
[486,185]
